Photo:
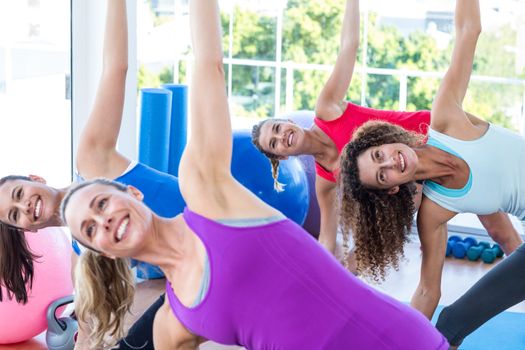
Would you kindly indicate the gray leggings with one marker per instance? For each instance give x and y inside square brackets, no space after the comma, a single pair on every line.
[501,288]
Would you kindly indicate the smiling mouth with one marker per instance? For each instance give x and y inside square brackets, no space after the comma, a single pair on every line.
[122,229]
[290,138]
[38,209]
[402,162]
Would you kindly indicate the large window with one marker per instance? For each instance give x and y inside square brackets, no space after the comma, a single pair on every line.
[279,53]
[35,104]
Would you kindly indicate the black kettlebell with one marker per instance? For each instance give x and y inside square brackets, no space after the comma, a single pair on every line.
[61,332]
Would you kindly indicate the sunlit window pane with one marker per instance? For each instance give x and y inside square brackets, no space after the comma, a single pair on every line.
[35,106]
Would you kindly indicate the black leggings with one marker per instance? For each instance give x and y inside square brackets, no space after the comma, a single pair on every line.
[501,288]
[140,335]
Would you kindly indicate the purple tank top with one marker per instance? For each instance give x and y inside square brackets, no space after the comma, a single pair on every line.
[274,287]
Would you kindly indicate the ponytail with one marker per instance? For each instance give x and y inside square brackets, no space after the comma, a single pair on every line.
[105,291]
[277,186]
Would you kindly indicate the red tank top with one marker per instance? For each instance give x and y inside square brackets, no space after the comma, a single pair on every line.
[341,129]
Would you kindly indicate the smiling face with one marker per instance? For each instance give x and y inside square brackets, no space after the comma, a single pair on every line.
[387,166]
[29,204]
[109,220]
[281,138]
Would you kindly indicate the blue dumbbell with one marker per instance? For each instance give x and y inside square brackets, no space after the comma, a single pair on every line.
[489,255]
[450,244]
[474,252]
[459,250]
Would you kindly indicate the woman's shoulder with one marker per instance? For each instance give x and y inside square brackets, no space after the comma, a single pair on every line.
[333,112]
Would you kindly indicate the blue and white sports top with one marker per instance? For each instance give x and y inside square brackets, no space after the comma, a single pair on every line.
[497,173]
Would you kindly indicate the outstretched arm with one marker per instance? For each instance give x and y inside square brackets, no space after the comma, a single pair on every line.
[432,229]
[205,163]
[329,104]
[447,107]
[206,182]
[210,139]
[96,154]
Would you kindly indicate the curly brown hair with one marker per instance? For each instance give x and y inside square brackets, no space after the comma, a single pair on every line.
[380,222]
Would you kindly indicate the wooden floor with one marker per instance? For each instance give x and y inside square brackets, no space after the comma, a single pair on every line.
[458,276]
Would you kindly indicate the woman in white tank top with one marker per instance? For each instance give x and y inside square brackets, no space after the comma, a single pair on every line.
[467,165]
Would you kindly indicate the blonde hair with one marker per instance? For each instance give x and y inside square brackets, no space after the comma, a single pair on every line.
[104,295]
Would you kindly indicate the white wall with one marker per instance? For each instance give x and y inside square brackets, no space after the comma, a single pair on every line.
[88,32]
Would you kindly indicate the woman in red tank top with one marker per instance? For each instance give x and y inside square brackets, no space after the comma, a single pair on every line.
[334,123]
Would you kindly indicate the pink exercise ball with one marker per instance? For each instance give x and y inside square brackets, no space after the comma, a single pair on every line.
[52,280]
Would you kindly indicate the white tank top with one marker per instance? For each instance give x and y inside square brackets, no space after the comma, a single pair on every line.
[497,173]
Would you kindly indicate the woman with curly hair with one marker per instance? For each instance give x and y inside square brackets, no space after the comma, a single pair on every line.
[373,216]
[335,122]
[466,166]
[238,271]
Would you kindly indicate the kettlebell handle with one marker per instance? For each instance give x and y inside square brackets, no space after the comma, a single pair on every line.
[52,309]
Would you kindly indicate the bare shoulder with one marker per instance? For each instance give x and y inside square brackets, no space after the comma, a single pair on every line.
[109,164]
[323,186]
[432,214]
[329,111]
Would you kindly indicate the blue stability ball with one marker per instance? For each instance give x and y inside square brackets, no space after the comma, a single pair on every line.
[155,117]
[178,125]
[312,223]
[252,169]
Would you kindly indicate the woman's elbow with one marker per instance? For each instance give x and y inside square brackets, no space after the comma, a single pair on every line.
[211,66]
[428,292]
[349,46]
[472,30]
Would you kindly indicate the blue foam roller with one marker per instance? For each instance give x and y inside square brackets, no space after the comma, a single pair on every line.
[155,112]
[178,126]
[155,116]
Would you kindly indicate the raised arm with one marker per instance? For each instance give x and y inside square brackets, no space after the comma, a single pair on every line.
[96,154]
[447,107]
[211,136]
[329,104]
[205,179]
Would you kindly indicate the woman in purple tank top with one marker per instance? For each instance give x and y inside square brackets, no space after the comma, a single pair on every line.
[262,286]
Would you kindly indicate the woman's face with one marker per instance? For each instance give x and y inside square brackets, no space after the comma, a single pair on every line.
[109,220]
[282,138]
[387,166]
[30,205]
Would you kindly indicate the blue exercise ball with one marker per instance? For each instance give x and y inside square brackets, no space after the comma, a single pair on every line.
[252,169]
[312,223]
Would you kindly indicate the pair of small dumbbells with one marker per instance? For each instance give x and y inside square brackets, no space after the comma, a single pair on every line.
[472,249]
